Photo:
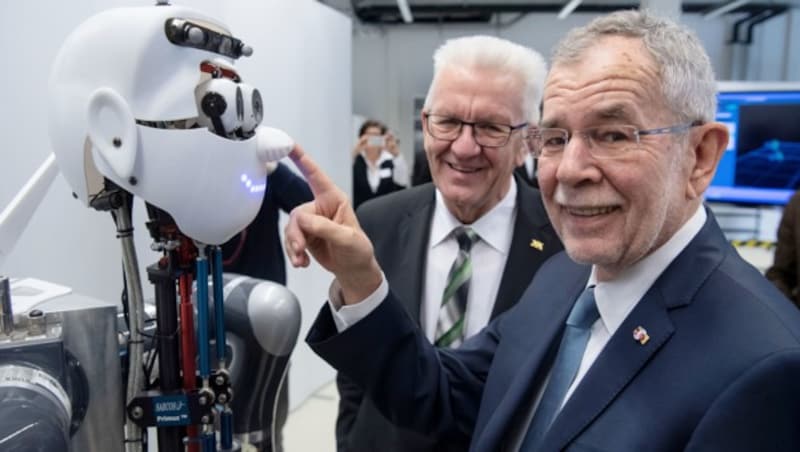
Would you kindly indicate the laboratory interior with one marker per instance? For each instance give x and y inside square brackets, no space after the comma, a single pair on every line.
[150,165]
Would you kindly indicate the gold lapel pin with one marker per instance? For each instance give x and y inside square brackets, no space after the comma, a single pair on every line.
[640,334]
[537,245]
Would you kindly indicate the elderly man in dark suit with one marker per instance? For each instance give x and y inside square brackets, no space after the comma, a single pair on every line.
[484,93]
[650,333]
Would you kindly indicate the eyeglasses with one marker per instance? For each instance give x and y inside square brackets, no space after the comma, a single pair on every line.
[603,141]
[487,134]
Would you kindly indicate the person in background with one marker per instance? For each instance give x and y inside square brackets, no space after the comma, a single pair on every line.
[378,166]
[649,333]
[472,148]
[785,269]
[257,250]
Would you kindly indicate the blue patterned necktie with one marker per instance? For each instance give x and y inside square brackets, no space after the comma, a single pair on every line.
[450,325]
[576,334]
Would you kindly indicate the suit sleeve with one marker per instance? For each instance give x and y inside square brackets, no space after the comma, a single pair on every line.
[434,392]
[759,411]
[350,398]
[288,189]
[783,272]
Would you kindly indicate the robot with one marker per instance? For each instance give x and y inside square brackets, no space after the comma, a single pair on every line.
[148,102]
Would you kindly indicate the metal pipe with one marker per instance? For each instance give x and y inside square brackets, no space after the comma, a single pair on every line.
[133,434]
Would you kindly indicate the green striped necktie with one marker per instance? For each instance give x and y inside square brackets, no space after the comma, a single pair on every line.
[450,326]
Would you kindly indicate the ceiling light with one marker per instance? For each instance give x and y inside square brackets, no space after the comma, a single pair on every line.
[568,8]
[722,9]
[405,11]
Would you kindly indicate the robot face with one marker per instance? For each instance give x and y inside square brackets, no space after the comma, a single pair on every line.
[226,106]
[149,98]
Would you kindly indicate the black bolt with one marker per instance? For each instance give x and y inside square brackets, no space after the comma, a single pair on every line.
[132,180]
[117,142]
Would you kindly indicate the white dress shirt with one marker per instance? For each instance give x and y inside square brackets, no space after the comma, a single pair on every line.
[489,254]
[375,173]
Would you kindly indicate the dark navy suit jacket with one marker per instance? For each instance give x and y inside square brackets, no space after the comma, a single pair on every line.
[399,227]
[721,371]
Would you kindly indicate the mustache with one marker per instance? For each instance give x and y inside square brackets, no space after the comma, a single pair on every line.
[568,196]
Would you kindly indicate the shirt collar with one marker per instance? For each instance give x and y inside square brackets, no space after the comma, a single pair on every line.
[382,157]
[616,299]
[492,227]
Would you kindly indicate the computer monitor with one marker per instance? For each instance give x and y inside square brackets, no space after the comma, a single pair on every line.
[762,162]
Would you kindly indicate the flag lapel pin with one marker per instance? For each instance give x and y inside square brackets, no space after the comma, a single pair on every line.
[640,334]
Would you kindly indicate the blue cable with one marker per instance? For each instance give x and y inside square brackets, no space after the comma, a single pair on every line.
[202,315]
[219,307]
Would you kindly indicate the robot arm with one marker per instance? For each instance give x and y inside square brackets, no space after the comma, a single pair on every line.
[16,215]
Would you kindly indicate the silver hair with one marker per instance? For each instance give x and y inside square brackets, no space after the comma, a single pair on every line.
[687,78]
[497,55]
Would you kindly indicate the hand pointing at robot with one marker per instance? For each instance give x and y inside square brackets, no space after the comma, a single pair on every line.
[327,228]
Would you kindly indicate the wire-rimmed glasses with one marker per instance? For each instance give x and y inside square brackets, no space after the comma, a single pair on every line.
[603,141]
[487,134]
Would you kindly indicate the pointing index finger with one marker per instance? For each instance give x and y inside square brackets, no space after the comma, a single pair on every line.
[317,179]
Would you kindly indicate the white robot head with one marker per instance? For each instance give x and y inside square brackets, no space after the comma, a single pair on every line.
[149,98]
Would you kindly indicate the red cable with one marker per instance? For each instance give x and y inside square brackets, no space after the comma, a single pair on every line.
[239,247]
[188,350]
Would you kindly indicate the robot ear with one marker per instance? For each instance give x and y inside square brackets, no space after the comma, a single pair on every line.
[112,130]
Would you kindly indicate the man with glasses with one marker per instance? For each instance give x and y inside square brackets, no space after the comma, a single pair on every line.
[649,333]
[484,93]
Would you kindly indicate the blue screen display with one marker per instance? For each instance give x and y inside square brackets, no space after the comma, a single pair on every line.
[762,162]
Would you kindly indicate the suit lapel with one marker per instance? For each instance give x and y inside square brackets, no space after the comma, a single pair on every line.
[531,244]
[412,242]
[623,356]
[619,362]
[547,321]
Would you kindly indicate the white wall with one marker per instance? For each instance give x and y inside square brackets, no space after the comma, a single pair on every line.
[301,65]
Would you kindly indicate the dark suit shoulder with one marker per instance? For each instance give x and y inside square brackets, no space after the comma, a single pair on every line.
[748,295]
[383,210]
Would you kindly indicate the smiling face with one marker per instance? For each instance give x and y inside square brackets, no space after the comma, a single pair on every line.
[473,178]
[613,212]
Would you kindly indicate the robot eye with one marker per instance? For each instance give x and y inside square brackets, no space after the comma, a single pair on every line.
[219,106]
[253,109]
[258,106]
[239,104]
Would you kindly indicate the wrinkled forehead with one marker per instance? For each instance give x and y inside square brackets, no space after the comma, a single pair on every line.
[616,79]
